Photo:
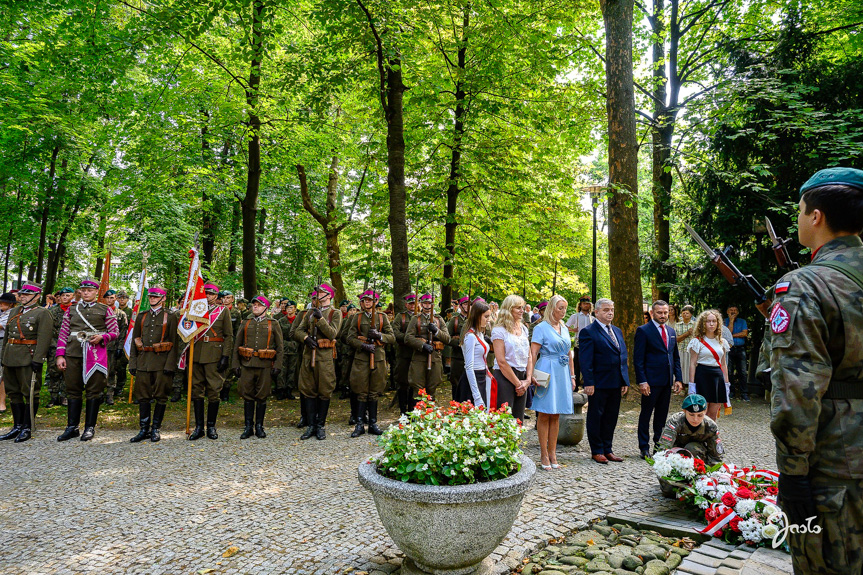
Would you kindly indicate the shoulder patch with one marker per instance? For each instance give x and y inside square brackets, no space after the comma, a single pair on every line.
[781,287]
[779,319]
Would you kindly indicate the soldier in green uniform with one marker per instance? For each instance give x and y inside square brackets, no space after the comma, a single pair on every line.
[115,348]
[368,333]
[426,335]
[345,359]
[289,366]
[153,362]
[87,329]
[304,421]
[404,353]
[692,430]
[317,333]
[25,349]
[210,360]
[121,363]
[226,298]
[816,362]
[55,382]
[454,327]
[258,356]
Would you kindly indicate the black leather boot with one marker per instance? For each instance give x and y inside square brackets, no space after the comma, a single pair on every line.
[260,410]
[359,429]
[27,424]
[354,410]
[225,394]
[304,415]
[158,415]
[73,418]
[249,417]
[17,422]
[373,419]
[212,415]
[91,414]
[143,421]
[198,432]
[403,400]
[311,404]
[323,409]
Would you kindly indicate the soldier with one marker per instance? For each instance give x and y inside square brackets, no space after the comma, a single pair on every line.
[258,355]
[289,365]
[153,362]
[427,335]
[55,382]
[115,348]
[692,430]
[87,329]
[213,348]
[226,297]
[368,334]
[816,358]
[180,380]
[404,353]
[345,360]
[243,307]
[317,332]
[454,327]
[121,363]
[25,349]
[313,297]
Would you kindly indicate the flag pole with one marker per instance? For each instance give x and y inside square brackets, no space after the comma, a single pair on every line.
[131,387]
[189,395]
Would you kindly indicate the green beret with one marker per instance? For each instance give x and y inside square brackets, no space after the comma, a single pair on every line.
[110,292]
[292,302]
[344,302]
[242,299]
[223,293]
[834,176]
[695,403]
[351,306]
[66,290]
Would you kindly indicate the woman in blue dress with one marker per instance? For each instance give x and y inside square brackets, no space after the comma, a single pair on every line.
[551,342]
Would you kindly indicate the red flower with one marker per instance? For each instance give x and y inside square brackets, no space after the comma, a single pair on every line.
[744,493]
[733,524]
[709,514]
[699,466]
[719,534]
[729,500]
[773,490]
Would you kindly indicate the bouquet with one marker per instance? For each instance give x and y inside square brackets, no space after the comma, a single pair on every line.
[456,444]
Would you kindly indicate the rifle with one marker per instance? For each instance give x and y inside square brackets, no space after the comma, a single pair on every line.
[729,271]
[372,324]
[780,248]
[315,327]
[428,331]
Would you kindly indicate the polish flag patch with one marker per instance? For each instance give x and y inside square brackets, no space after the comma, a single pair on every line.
[779,319]
[781,287]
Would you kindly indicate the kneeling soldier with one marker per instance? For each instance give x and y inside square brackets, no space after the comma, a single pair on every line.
[258,353]
[153,362]
[368,333]
[427,335]
[28,336]
[692,430]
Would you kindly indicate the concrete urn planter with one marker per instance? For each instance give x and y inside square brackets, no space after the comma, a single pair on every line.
[447,530]
[571,430]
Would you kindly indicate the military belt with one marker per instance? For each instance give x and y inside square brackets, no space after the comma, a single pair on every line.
[214,339]
[852,389]
[14,341]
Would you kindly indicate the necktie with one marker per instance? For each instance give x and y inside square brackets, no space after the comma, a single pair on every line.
[611,334]
[664,336]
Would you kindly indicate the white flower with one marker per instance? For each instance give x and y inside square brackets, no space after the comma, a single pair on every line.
[769,531]
[769,510]
[452,471]
[704,504]
[744,507]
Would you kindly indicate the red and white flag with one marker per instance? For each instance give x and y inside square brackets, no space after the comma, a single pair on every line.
[195,317]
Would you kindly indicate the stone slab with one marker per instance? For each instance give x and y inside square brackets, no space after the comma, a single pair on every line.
[693,568]
[713,551]
[697,557]
[733,563]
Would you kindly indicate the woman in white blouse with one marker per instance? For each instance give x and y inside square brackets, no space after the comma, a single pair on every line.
[476,382]
[708,362]
[511,340]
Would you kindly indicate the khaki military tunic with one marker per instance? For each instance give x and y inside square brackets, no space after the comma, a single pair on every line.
[76,319]
[367,382]
[419,376]
[404,352]
[319,381]
[258,348]
[210,347]
[703,441]
[28,337]
[153,330]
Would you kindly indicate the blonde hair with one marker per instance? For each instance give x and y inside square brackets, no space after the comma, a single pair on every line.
[504,314]
[700,330]
[549,309]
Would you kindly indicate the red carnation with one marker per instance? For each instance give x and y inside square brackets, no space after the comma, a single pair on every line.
[773,490]
[733,524]
[744,493]
[729,500]
[719,534]
[699,466]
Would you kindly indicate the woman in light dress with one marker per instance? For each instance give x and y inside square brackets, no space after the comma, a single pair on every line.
[683,329]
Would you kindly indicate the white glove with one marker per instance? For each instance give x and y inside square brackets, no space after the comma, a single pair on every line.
[728,392]
[691,388]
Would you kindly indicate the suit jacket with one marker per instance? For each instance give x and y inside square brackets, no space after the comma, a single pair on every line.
[602,364]
[656,364]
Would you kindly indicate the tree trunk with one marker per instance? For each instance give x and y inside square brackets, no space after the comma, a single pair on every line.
[623,260]
[236,216]
[455,167]
[253,183]
[262,227]
[209,219]
[46,205]
[100,249]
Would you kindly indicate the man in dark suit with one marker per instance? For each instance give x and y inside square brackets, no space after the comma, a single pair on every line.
[657,370]
[602,355]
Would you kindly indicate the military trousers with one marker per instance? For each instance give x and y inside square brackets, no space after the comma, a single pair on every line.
[318,382]
[838,548]
[366,383]
[207,382]
[18,381]
[420,377]
[54,377]
[74,377]
[118,374]
[152,386]
[255,383]
[402,368]
[290,370]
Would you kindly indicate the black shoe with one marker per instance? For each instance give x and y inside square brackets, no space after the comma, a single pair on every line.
[17,422]
[373,419]
[27,424]
[176,396]
[645,453]
[745,397]
[352,420]
[323,409]
[311,405]
[289,395]
[73,418]
[158,415]
[260,410]
[144,422]
[212,416]
[198,432]
[248,419]
[360,407]
[91,414]
[304,417]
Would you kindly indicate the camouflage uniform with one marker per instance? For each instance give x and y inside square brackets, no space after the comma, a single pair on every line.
[703,442]
[55,381]
[286,380]
[816,361]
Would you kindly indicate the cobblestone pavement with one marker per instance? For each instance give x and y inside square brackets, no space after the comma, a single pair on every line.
[276,505]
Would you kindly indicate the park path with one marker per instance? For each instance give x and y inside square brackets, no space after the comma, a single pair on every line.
[276,505]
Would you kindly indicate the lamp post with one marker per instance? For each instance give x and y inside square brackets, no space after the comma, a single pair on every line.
[594,192]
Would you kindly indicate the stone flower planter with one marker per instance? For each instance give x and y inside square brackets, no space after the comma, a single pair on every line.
[571,430]
[447,530]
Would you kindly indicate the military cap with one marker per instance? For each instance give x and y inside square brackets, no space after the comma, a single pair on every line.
[351,306]
[370,294]
[8,298]
[379,305]
[411,297]
[695,403]
[225,292]
[463,299]
[66,290]
[211,288]
[292,302]
[344,302]
[241,300]
[426,297]
[86,283]
[327,289]
[261,300]
[542,305]
[120,294]
[834,176]
[157,291]
[109,292]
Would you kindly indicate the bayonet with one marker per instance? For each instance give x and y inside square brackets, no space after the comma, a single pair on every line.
[780,248]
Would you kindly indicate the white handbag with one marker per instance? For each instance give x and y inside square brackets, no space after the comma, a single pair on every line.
[541,377]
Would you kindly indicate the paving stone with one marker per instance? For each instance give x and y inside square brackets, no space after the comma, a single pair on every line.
[722,570]
[713,552]
[719,544]
[741,553]
[732,563]
[695,568]
[706,560]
